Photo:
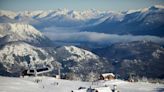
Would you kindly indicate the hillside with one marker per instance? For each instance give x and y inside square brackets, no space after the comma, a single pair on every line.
[135,57]
[77,63]
[16,56]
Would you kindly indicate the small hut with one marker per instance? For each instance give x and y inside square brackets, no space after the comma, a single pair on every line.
[107,76]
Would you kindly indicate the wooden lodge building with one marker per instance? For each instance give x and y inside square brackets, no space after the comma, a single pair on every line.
[107,76]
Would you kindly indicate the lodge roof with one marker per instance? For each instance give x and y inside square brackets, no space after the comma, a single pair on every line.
[107,74]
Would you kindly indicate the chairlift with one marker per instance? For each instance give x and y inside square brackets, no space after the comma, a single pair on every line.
[36,71]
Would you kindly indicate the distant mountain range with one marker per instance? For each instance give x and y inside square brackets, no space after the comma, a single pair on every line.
[148,21]
[57,18]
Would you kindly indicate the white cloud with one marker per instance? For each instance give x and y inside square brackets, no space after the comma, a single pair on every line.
[98,37]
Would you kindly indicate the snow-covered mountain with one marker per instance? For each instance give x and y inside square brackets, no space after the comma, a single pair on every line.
[56,18]
[17,50]
[148,21]
[15,56]
[21,32]
[68,18]
[9,14]
[67,53]
[77,63]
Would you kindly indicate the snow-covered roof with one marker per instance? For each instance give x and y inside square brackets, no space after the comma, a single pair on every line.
[107,74]
[104,89]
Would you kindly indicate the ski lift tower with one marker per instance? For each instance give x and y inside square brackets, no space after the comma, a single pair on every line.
[59,74]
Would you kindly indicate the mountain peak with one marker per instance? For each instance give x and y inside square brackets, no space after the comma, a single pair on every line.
[8,13]
[158,6]
[19,28]
[21,32]
[153,8]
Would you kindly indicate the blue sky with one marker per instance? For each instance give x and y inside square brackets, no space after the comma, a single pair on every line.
[114,5]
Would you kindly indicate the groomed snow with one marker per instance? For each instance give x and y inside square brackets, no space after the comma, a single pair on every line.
[49,84]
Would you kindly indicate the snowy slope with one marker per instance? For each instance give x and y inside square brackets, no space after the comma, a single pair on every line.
[74,53]
[79,63]
[15,56]
[50,85]
[21,32]
[18,85]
